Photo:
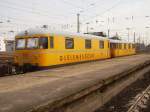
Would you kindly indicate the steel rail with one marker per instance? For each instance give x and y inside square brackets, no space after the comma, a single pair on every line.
[139,100]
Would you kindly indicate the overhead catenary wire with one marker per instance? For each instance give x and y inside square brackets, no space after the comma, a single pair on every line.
[29,11]
[46,16]
[105,11]
[32,10]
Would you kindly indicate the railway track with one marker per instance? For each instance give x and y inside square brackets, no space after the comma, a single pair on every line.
[140,101]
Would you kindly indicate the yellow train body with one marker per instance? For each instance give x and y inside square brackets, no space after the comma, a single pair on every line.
[120,48]
[80,48]
[59,54]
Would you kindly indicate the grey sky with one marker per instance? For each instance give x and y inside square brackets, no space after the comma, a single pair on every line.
[61,15]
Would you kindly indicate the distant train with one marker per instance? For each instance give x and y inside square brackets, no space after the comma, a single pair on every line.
[42,48]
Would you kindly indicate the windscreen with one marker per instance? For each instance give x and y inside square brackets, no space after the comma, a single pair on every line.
[20,43]
[32,42]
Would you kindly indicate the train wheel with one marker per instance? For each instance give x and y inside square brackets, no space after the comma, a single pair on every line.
[18,70]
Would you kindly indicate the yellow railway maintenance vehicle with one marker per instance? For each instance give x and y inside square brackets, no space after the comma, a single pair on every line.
[43,48]
[121,48]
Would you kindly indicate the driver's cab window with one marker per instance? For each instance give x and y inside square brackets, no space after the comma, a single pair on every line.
[43,43]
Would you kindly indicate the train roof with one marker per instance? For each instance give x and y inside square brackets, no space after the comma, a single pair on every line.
[31,32]
[34,31]
[119,41]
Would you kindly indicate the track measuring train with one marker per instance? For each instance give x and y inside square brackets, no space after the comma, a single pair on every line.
[43,48]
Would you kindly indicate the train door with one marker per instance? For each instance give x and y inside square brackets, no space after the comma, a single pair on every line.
[112,50]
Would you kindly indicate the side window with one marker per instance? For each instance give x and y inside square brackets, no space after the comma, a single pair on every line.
[111,45]
[88,44]
[117,46]
[101,44]
[129,46]
[51,42]
[120,46]
[69,43]
[43,43]
[125,46]
[114,46]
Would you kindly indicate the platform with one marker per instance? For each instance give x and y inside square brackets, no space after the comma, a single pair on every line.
[28,92]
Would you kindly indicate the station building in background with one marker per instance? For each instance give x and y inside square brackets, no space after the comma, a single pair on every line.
[2,44]
[6,45]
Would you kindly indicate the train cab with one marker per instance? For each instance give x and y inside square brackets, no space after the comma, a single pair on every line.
[43,48]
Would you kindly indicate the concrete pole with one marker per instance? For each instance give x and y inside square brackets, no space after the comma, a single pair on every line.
[108,33]
[87,29]
[128,35]
[108,27]
[134,37]
[78,23]
[128,29]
